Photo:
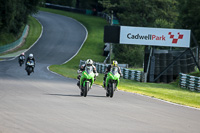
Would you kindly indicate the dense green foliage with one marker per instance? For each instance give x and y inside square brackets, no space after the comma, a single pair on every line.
[183,14]
[142,13]
[189,17]
[14,15]
[35,30]
[85,4]
[129,54]
[63,2]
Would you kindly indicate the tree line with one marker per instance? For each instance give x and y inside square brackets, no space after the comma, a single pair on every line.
[14,14]
[180,14]
[84,4]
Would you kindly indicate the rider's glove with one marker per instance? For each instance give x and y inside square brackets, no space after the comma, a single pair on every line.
[96,74]
[78,71]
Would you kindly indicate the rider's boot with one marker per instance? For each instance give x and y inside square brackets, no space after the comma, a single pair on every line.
[78,83]
[104,84]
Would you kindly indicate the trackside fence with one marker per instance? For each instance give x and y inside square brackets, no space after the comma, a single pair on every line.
[190,82]
[13,45]
[127,74]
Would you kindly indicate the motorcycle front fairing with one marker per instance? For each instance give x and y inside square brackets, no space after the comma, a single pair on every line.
[87,75]
[113,76]
[31,63]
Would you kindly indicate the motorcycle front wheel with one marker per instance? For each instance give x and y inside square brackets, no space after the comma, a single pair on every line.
[29,70]
[112,88]
[86,88]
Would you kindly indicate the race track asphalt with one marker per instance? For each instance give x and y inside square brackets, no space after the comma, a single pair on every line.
[45,102]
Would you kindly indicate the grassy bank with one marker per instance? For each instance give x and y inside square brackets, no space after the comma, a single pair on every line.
[35,29]
[168,92]
[93,49]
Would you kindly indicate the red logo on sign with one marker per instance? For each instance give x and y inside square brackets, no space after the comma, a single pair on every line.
[175,40]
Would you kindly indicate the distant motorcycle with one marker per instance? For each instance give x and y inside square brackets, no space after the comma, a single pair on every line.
[112,81]
[87,80]
[30,67]
[21,60]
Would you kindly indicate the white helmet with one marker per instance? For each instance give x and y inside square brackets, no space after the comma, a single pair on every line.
[30,56]
[88,62]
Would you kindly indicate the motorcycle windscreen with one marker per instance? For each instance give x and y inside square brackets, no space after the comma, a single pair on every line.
[89,69]
[30,63]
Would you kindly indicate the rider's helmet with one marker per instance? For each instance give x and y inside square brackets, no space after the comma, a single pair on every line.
[88,62]
[30,56]
[22,53]
[114,63]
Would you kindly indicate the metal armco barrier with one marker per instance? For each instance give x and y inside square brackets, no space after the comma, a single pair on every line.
[14,44]
[127,74]
[189,82]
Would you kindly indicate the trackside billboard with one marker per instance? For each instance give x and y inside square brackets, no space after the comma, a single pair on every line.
[154,36]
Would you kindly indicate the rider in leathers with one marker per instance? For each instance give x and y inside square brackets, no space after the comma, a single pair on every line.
[30,57]
[21,57]
[108,69]
[89,62]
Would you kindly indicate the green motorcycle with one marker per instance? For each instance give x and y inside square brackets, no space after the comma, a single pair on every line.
[112,81]
[87,80]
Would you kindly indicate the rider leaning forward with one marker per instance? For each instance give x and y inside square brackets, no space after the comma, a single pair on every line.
[21,57]
[108,69]
[88,62]
[30,57]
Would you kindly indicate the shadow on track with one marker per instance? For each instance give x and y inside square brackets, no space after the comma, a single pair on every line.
[74,95]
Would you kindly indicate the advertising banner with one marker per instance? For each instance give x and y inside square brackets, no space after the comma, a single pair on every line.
[154,36]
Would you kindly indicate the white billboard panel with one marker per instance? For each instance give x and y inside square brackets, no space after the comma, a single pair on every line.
[154,36]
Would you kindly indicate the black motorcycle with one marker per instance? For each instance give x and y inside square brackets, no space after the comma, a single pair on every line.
[21,60]
[30,67]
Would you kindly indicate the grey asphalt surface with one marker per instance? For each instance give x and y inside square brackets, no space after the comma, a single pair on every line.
[48,103]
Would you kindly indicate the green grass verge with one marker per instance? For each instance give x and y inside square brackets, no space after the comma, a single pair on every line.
[35,29]
[93,48]
[168,92]
[137,69]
